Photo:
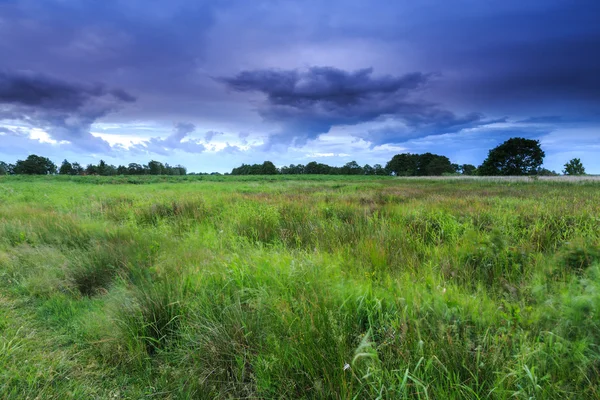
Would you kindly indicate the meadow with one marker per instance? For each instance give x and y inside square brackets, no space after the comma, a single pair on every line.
[299,287]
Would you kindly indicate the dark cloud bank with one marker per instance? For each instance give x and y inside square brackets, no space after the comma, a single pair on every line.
[65,110]
[308,103]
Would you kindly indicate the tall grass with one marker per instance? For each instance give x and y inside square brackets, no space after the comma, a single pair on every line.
[320,287]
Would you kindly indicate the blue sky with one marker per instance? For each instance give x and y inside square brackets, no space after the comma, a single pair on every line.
[212,84]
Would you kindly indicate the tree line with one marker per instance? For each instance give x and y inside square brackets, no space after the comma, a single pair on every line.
[38,165]
[516,156]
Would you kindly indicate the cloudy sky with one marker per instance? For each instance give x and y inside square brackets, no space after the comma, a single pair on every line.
[213,84]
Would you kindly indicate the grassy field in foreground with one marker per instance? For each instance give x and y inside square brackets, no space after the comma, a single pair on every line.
[332,287]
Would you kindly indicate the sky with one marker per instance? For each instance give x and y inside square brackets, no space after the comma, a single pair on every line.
[214,84]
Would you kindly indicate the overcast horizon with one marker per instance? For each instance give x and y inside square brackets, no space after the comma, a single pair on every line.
[214,84]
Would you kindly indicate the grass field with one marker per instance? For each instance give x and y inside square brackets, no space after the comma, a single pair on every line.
[320,287]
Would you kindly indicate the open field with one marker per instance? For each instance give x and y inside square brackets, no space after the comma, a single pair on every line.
[288,287]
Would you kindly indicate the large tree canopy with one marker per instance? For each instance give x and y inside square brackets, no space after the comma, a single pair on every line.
[516,156]
[427,164]
[35,165]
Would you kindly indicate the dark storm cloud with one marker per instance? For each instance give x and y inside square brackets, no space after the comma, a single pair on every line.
[44,92]
[323,84]
[63,109]
[175,141]
[308,103]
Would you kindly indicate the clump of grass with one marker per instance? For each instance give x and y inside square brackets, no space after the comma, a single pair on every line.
[182,209]
[489,259]
[154,316]
[579,255]
[258,222]
[93,271]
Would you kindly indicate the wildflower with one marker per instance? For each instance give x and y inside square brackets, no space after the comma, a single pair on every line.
[346,366]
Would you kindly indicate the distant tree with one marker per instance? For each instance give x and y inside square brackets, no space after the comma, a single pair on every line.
[427,164]
[311,168]
[434,165]
[268,168]
[379,170]
[109,170]
[516,156]
[135,169]
[467,169]
[546,172]
[156,168]
[35,165]
[351,168]
[77,169]
[405,164]
[66,168]
[181,170]
[4,168]
[574,167]
[292,169]
[101,168]
[368,170]
[122,170]
[91,169]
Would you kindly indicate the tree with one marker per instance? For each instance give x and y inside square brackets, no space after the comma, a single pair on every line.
[4,168]
[268,168]
[35,165]
[434,165]
[156,168]
[467,169]
[91,169]
[405,164]
[311,168]
[77,169]
[546,172]
[66,168]
[352,168]
[574,167]
[101,168]
[379,170]
[292,169]
[516,156]
[427,164]
[135,169]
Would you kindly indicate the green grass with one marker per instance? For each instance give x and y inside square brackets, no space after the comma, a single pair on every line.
[302,287]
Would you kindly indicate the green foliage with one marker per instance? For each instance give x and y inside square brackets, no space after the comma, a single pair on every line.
[420,165]
[405,164]
[5,168]
[35,165]
[266,168]
[574,167]
[546,172]
[467,169]
[516,156]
